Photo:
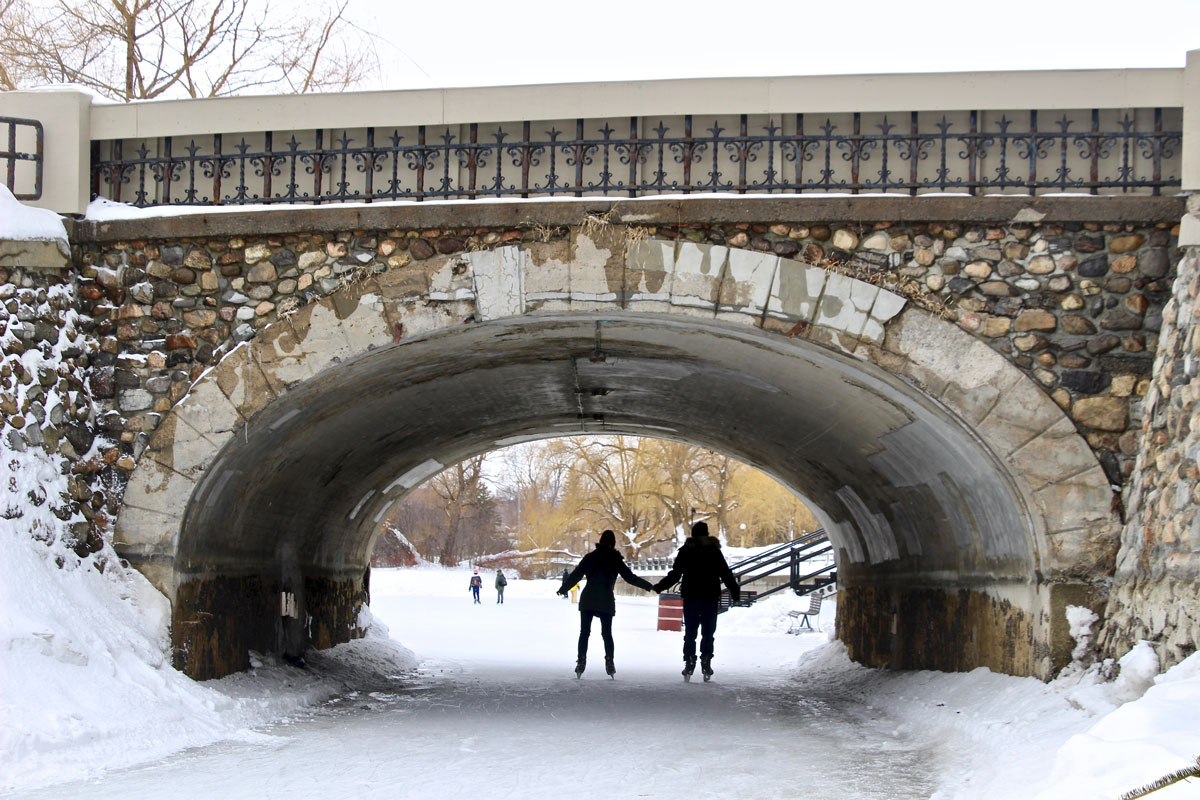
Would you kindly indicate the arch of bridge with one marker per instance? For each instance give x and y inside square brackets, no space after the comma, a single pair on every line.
[929,457]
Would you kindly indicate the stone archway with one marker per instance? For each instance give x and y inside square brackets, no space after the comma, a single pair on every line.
[965,508]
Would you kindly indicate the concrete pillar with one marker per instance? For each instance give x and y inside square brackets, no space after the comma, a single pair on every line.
[65,115]
[1191,124]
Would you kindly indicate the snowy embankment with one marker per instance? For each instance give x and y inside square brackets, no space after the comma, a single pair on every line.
[1020,739]
[86,682]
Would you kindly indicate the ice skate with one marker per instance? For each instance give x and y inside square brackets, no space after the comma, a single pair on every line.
[579,667]
[706,669]
[610,668]
[689,666]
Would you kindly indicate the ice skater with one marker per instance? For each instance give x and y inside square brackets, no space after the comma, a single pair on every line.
[501,582]
[601,568]
[476,584]
[702,566]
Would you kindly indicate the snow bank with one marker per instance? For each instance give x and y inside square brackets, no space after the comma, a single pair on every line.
[1143,739]
[86,682]
[87,685]
[1009,738]
[24,223]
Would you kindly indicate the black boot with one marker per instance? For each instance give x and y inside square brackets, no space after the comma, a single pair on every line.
[610,668]
[579,666]
[689,666]
[706,668]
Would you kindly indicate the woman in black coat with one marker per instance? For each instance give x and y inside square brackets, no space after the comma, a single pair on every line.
[601,568]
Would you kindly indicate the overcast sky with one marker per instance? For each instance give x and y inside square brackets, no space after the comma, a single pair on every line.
[471,43]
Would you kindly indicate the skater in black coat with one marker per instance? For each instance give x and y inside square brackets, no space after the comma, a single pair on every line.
[702,566]
[601,568]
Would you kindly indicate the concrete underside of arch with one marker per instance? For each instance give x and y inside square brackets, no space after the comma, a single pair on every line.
[965,510]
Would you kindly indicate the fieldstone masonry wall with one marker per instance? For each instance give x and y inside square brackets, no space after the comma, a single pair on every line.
[1077,306]
[46,404]
[1155,594]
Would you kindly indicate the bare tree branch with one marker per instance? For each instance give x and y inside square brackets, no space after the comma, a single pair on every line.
[140,49]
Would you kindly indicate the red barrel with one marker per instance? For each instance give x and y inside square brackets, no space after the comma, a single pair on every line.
[670,612]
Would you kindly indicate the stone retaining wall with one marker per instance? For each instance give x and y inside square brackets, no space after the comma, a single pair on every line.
[46,404]
[1155,595]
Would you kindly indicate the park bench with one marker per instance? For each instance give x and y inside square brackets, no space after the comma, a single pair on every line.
[800,618]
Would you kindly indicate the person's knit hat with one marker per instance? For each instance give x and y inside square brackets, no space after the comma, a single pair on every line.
[700,529]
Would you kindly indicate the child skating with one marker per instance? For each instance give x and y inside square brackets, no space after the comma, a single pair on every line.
[476,585]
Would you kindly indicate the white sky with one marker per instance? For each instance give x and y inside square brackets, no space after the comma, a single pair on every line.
[472,43]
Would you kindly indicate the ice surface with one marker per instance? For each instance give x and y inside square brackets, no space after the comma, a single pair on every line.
[487,697]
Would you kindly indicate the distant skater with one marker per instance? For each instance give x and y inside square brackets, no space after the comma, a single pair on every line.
[601,568]
[702,566]
[476,584]
[501,582]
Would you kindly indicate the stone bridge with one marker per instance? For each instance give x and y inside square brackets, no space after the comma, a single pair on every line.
[964,389]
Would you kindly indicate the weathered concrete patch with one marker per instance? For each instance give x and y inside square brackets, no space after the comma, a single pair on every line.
[548,276]
[597,269]
[649,273]
[796,291]
[845,304]
[746,284]
[499,282]
[696,282]
[34,255]
[241,379]
[454,281]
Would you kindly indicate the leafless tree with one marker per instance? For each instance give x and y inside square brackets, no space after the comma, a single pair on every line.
[143,49]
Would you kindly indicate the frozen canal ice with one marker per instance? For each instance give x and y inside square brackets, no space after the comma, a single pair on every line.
[494,710]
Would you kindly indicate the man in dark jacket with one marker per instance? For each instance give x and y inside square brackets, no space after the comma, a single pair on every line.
[703,569]
[601,568]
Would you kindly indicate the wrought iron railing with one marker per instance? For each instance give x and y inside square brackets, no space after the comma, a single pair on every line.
[23,143]
[1099,151]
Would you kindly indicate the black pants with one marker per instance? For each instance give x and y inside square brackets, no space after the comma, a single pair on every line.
[702,615]
[585,631]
